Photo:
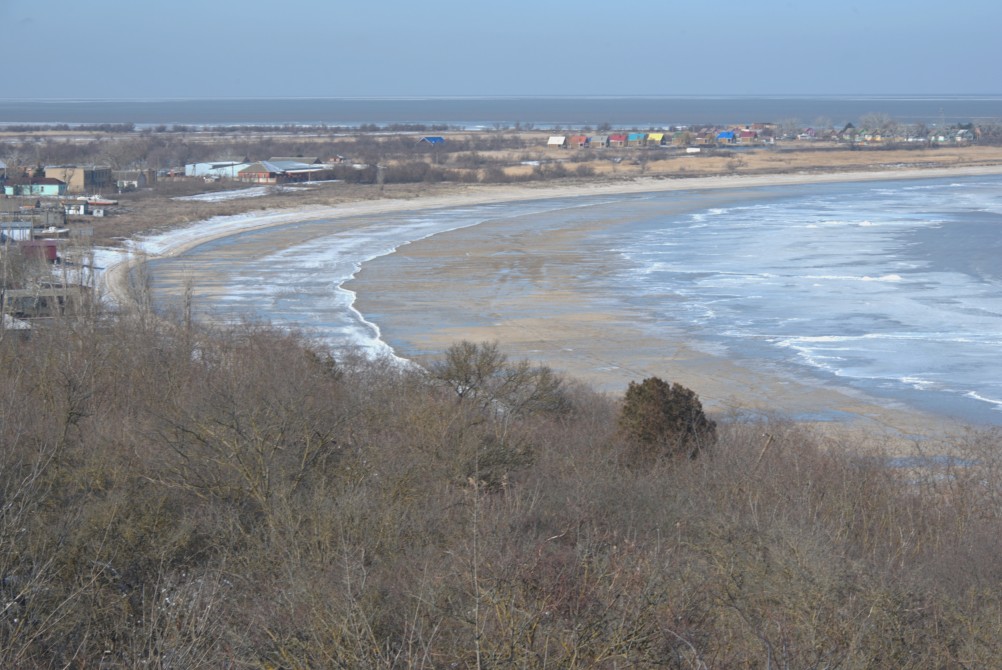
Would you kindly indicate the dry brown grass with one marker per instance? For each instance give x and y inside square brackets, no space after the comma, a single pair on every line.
[772,161]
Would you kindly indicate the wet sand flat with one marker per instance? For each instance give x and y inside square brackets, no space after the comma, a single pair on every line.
[530,293]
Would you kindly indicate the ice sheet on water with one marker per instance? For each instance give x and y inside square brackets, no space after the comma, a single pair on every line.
[888,283]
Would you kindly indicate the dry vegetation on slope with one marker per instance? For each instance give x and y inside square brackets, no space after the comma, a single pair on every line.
[178,497]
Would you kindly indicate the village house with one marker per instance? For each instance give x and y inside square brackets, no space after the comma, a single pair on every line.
[617,140]
[283,172]
[556,142]
[706,137]
[81,178]
[964,136]
[262,172]
[133,180]
[219,169]
[34,186]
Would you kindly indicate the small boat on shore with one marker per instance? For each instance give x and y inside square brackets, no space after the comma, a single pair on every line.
[98,200]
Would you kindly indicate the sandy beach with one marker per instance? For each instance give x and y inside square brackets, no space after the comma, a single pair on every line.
[552,323]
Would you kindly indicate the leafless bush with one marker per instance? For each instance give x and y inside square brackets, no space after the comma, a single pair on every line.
[177,496]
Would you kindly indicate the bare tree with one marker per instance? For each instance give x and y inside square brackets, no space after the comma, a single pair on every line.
[790,128]
[879,122]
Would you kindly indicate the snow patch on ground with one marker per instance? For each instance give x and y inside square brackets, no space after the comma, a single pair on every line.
[238,194]
[103,259]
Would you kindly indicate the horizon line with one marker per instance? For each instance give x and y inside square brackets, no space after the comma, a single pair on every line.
[419,98]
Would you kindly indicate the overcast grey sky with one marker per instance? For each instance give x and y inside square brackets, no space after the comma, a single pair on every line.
[373,48]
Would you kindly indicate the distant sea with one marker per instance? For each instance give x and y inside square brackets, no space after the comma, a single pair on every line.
[490,112]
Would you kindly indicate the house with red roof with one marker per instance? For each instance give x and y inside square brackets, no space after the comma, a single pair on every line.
[617,140]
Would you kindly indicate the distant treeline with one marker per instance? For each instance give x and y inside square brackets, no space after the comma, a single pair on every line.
[85,127]
[285,128]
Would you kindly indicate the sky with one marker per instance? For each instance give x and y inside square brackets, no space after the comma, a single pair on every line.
[58,49]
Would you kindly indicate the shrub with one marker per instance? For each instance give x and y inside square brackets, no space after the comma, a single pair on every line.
[482,374]
[662,419]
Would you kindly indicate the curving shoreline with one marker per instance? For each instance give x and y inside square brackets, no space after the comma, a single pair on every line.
[723,384]
[176,242]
